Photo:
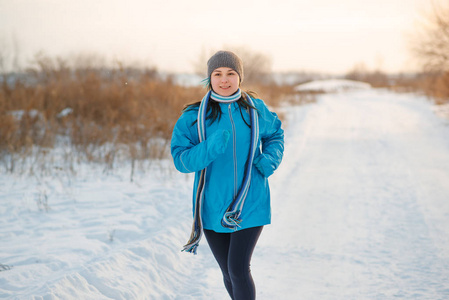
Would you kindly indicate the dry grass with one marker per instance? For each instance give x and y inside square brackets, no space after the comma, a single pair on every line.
[100,115]
[435,85]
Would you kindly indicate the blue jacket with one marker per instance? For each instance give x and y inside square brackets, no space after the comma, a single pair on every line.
[224,153]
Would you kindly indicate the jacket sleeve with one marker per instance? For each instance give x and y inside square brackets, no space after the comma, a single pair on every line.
[189,155]
[272,142]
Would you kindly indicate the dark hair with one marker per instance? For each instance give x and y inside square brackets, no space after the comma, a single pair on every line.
[213,108]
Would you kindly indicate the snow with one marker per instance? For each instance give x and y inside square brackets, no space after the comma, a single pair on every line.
[332,85]
[33,113]
[65,112]
[360,211]
[184,79]
[293,78]
[442,110]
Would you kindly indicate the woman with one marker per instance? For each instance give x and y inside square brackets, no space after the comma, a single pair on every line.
[233,143]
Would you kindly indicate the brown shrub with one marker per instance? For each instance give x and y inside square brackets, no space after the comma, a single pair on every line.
[98,114]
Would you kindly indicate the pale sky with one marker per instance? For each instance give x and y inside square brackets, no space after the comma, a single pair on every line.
[298,35]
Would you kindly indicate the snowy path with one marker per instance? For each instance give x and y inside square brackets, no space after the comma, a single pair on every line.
[361,207]
[360,211]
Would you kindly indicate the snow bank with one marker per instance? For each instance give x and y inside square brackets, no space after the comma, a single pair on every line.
[442,110]
[332,85]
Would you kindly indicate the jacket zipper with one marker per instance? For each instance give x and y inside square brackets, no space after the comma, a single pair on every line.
[234,147]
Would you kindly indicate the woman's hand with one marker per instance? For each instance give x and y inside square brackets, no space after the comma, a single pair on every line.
[265,166]
[218,141]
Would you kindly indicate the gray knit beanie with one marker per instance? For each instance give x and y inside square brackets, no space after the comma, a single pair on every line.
[225,59]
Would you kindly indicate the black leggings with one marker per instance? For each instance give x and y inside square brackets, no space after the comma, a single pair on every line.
[233,253]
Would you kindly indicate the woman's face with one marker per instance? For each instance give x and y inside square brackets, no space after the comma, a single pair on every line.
[225,81]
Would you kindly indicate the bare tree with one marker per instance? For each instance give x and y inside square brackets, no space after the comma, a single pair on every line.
[430,44]
[9,54]
[257,65]
[4,57]
[199,65]
[360,72]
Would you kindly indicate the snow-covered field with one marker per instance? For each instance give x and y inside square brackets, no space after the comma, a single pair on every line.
[332,85]
[360,211]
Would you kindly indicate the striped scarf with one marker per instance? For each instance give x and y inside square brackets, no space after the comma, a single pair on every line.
[231,218]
